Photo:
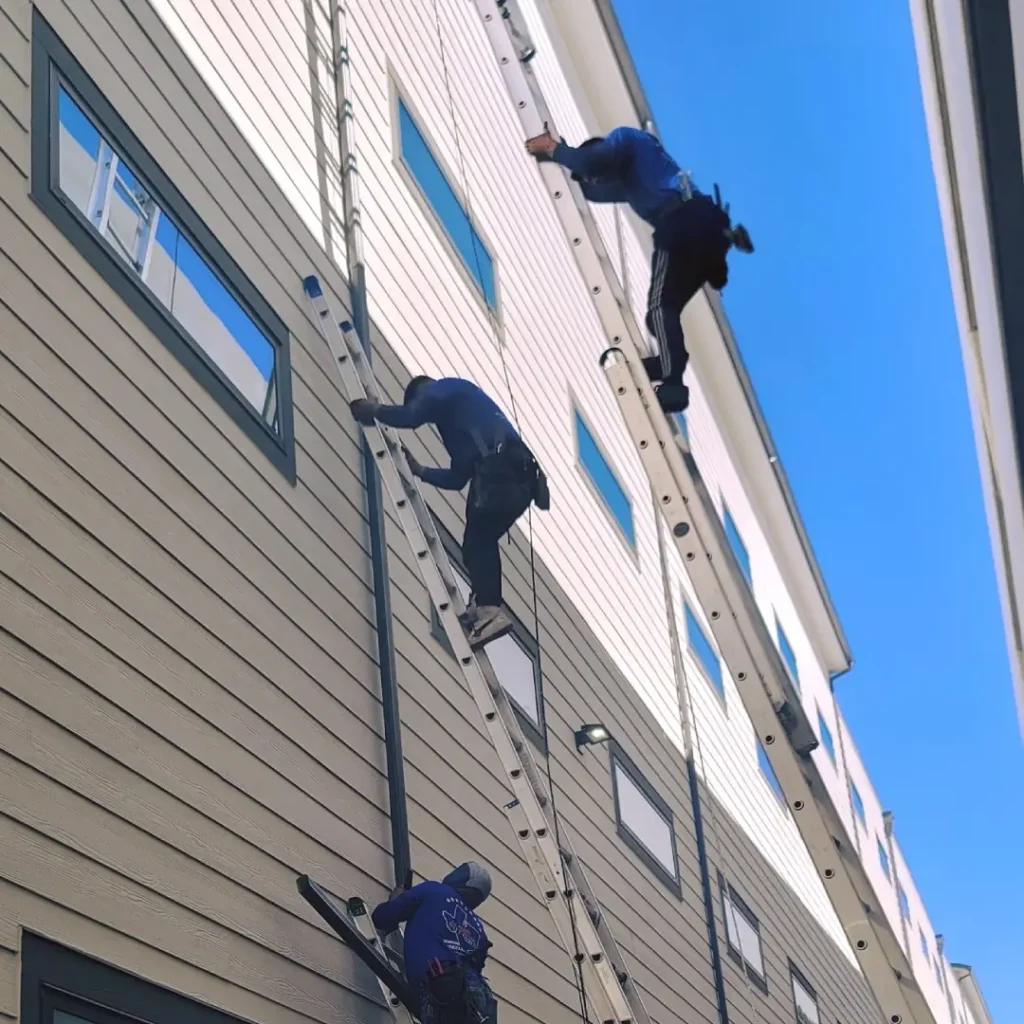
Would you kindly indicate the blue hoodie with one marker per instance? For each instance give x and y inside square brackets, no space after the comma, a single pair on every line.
[627,166]
[440,927]
[456,407]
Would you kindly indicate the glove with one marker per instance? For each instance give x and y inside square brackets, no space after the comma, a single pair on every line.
[364,411]
[414,467]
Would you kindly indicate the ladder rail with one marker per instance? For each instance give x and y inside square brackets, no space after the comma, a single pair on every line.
[529,810]
[754,664]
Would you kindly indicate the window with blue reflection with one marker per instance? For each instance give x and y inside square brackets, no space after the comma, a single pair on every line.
[769,772]
[739,549]
[883,859]
[605,480]
[703,651]
[787,654]
[826,738]
[437,190]
[858,804]
[904,904]
[117,204]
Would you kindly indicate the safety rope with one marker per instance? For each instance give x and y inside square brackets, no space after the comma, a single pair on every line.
[496,330]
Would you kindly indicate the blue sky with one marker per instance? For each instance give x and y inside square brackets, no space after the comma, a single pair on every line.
[809,116]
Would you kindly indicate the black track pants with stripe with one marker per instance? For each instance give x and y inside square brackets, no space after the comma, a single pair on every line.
[677,274]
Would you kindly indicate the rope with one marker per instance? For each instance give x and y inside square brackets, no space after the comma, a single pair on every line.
[495,328]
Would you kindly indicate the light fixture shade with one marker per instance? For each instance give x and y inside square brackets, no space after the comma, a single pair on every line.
[587,735]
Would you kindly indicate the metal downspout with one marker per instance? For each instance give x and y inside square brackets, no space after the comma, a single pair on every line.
[374,495]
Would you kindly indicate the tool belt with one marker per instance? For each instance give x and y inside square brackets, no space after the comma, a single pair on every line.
[507,475]
[447,993]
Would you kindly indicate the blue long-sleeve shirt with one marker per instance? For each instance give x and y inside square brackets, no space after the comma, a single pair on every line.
[627,166]
[456,407]
[439,927]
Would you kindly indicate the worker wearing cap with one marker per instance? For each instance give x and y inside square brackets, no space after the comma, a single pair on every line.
[445,945]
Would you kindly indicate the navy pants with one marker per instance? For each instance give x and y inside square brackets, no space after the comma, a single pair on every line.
[689,252]
[491,510]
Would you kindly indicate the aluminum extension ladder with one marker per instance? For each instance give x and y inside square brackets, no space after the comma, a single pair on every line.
[557,869]
[743,639]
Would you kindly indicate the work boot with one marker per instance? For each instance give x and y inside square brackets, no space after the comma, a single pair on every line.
[491,623]
[652,365]
[469,616]
[673,397]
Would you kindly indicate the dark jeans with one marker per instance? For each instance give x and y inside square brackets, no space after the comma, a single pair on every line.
[689,250]
[463,997]
[490,515]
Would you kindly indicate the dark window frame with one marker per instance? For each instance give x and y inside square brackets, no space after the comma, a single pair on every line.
[735,954]
[53,65]
[55,977]
[796,974]
[884,859]
[616,755]
[784,645]
[535,732]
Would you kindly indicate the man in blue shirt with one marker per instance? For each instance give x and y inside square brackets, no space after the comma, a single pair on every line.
[487,453]
[692,234]
[445,945]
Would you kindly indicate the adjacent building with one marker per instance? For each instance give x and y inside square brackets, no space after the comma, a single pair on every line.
[191,675]
[969,59]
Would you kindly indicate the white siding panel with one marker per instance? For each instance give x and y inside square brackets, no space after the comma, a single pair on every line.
[423,301]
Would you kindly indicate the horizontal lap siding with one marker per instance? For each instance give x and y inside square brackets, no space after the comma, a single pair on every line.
[190,662]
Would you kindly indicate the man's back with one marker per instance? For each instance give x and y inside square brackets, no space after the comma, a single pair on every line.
[439,927]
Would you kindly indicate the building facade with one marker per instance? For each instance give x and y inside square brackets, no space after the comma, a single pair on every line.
[968,56]
[191,683]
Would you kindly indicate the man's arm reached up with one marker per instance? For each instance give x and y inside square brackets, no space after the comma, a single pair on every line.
[421,410]
[388,916]
[599,159]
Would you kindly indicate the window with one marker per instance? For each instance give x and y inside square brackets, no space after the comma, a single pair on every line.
[904,905]
[703,651]
[805,999]
[787,654]
[743,934]
[858,804]
[62,986]
[768,771]
[683,424]
[644,819]
[422,165]
[924,944]
[938,975]
[739,549]
[826,738]
[604,479]
[513,657]
[103,190]
[883,859]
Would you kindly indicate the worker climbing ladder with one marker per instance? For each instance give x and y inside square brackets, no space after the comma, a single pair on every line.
[558,871]
[743,639]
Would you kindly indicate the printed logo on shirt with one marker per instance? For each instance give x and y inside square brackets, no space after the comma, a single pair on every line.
[464,925]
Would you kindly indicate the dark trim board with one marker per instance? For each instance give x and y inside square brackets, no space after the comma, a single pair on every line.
[57,978]
[990,45]
[53,64]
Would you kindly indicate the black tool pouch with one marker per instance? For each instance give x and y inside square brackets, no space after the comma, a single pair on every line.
[450,997]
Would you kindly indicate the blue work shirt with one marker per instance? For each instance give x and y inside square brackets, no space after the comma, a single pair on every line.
[627,166]
[439,927]
[456,407]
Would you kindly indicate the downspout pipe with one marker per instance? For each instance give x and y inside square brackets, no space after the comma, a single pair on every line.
[374,495]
